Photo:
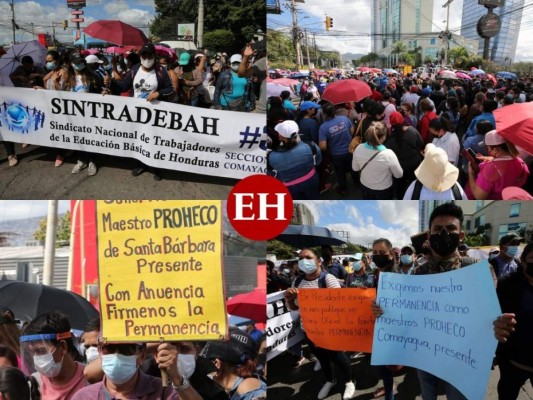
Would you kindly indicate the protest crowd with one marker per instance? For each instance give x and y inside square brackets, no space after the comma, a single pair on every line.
[47,360]
[396,136]
[233,82]
[441,251]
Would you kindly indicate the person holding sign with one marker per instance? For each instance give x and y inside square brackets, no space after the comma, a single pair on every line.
[313,277]
[514,328]
[124,380]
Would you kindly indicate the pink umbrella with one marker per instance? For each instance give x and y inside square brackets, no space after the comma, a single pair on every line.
[462,75]
[285,81]
[165,51]
[116,50]
[492,78]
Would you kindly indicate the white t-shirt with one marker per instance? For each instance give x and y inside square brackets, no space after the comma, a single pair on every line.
[144,83]
[378,174]
[450,144]
[427,194]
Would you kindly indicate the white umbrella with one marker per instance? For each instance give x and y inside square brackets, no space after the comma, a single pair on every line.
[274,89]
[447,75]
[12,59]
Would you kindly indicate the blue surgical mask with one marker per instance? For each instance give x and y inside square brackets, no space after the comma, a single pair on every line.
[51,65]
[357,266]
[307,266]
[119,368]
[406,259]
[512,251]
[78,67]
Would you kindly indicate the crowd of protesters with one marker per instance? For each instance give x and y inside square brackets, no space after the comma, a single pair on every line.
[46,360]
[224,82]
[381,142]
[442,251]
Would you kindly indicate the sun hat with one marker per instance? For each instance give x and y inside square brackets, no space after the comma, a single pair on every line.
[435,172]
[287,128]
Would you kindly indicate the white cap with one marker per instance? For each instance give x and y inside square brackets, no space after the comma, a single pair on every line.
[91,59]
[493,139]
[235,58]
[287,128]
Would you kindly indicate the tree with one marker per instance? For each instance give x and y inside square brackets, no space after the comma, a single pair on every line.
[459,56]
[280,249]
[219,40]
[399,49]
[62,230]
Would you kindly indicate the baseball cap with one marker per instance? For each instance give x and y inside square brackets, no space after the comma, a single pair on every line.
[426,91]
[494,250]
[236,58]
[396,118]
[147,49]
[184,59]
[287,128]
[91,59]
[492,138]
[511,237]
[408,246]
[414,89]
[463,247]
[306,105]
[76,58]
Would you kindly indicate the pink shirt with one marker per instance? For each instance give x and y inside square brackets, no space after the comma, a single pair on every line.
[49,391]
[502,172]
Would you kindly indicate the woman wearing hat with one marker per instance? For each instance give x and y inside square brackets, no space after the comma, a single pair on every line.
[503,168]
[293,162]
[407,144]
[307,122]
[232,91]
[436,178]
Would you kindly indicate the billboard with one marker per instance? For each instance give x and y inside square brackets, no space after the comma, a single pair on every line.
[76,3]
[186,32]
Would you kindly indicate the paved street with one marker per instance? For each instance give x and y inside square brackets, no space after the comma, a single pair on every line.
[35,177]
[304,384]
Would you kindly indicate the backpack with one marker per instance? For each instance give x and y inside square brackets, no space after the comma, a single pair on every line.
[321,280]
[418,188]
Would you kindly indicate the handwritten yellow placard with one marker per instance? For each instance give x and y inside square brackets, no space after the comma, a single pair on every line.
[160,270]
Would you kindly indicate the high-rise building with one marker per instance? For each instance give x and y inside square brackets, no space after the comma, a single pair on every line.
[393,19]
[301,215]
[502,47]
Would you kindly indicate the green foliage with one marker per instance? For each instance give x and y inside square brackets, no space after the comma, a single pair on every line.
[219,40]
[280,50]
[476,240]
[62,230]
[280,249]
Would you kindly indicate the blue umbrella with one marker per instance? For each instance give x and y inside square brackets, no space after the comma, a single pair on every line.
[301,236]
[298,75]
[235,320]
[390,71]
[477,72]
[506,75]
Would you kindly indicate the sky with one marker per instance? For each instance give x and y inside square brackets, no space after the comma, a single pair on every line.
[368,220]
[354,16]
[22,209]
[134,12]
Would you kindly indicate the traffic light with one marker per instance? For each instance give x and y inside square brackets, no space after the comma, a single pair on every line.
[65,24]
[328,22]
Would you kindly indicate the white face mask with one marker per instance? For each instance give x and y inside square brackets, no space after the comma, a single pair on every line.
[91,354]
[186,364]
[46,365]
[147,63]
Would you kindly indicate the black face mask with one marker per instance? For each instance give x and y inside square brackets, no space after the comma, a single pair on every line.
[444,243]
[381,260]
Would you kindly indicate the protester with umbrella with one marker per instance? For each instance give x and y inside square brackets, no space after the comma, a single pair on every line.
[502,168]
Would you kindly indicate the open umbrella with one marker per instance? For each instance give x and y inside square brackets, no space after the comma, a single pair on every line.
[515,123]
[285,81]
[477,72]
[462,75]
[27,300]
[274,89]
[249,305]
[235,320]
[346,90]
[447,74]
[161,50]
[492,78]
[12,59]
[116,32]
[116,50]
[301,236]
[506,75]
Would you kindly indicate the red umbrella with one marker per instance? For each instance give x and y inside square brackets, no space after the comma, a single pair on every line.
[249,305]
[346,90]
[492,78]
[515,123]
[116,32]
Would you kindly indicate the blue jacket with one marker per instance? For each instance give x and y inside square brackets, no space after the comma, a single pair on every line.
[293,163]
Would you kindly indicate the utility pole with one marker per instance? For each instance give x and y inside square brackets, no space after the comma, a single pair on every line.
[50,243]
[295,34]
[447,32]
[307,49]
[32,31]
[316,50]
[13,24]
[200,39]
[54,32]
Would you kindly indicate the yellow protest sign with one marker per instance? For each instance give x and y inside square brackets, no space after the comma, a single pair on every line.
[160,270]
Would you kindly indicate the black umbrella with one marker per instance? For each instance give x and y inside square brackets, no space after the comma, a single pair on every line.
[27,300]
[301,236]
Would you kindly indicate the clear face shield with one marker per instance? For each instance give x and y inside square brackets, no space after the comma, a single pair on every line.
[42,352]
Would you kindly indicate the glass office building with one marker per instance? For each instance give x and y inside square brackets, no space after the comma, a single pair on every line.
[502,47]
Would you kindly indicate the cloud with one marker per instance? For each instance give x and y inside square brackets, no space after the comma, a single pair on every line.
[353,213]
[21,209]
[319,208]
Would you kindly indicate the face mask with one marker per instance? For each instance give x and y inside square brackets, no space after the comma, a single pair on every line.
[108,67]
[406,259]
[186,364]
[91,354]
[357,266]
[46,365]
[444,243]
[78,67]
[286,271]
[235,67]
[307,266]
[51,66]
[119,368]
[147,63]
[381,260]
[512,251]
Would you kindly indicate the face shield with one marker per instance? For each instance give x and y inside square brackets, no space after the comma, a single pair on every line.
[39,352]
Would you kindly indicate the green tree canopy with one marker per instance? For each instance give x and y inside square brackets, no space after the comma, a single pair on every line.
[219,40]
[62,230]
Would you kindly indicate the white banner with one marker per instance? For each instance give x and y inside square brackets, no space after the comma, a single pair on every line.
[283,326]
[163,135]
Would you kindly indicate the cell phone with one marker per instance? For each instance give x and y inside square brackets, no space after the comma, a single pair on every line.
[470,156]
